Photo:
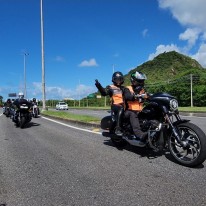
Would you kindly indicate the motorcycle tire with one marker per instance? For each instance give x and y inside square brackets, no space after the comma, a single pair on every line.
[195,153]
[22,122]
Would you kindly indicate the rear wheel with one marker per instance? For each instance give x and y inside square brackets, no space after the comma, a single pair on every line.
[195,152]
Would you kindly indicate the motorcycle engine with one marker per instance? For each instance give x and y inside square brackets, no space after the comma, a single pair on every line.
[149,124]
[145,125]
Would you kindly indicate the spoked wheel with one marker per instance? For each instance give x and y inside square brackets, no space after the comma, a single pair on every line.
[195,152]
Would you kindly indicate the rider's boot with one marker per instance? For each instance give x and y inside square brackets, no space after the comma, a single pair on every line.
[118,131]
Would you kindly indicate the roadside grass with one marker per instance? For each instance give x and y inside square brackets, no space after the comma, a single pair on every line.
[192,109]
[70,116]
[95,120]
[181,109]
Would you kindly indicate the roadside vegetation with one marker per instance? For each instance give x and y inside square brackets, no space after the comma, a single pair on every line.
[192,109]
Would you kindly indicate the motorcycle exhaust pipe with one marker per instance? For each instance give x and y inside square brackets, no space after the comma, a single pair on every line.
[134,142]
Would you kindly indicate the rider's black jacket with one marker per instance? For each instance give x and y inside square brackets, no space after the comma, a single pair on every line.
[127,95]
[19,102]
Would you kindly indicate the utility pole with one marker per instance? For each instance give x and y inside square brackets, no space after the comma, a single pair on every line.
[25,93]
[42,57]
[191,90]
[79,94]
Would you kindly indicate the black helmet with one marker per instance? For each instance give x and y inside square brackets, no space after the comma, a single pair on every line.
[8,100]
[34,99]
[118,78]
[138,78]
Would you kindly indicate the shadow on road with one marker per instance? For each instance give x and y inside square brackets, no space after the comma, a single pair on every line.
[143,152]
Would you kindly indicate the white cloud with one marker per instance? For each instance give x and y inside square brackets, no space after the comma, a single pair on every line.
[116,55]
[187,12]
[190,35]
[144,32]
[163,48]
[88,63]
[190,14]
[200,56]
[59,59]
[56,92]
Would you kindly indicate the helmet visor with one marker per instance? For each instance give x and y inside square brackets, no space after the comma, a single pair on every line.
[138,82]
[118,80]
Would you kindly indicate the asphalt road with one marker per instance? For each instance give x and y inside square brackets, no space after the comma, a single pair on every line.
[53,164]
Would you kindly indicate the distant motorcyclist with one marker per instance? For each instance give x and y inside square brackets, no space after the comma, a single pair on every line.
[115,92]
[35,105]
[134,96]
[34,101]
[17,103]
[8,104]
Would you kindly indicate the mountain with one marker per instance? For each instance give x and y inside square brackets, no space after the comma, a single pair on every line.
[168,66]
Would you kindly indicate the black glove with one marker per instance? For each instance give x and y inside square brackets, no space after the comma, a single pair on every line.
[97,84]
[137,89]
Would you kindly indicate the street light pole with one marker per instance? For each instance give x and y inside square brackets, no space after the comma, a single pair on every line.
[191,90]
[42,53]
[25,93]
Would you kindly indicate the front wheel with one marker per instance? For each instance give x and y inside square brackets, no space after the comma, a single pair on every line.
[195,152]
[22,122]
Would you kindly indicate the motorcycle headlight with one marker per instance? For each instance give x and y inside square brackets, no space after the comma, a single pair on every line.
[173,104]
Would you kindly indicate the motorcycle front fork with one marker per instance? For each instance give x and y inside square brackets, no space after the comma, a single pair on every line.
[175,132]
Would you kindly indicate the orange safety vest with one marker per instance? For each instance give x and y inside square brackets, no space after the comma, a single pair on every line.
[117,95]
[135,105]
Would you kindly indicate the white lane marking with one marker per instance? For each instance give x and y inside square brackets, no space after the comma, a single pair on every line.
[67,125]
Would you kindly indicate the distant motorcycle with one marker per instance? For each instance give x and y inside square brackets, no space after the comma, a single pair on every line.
[7,111]
[23,115]
[35,111]
[166,130]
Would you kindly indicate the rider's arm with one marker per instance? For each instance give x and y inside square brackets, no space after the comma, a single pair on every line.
[128,96]
[103,91]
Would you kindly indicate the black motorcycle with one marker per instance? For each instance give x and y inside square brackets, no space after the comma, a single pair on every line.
[7,111]
[166,130]
[23,115]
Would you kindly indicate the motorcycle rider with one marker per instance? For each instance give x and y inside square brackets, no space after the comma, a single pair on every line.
[34,102]
[134,103]
[8,103]
[115,92]
[17,103]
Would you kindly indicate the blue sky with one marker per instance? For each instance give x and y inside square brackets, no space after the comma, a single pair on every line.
[86,40]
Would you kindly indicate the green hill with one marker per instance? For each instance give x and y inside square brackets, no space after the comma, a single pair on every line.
[168,66]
